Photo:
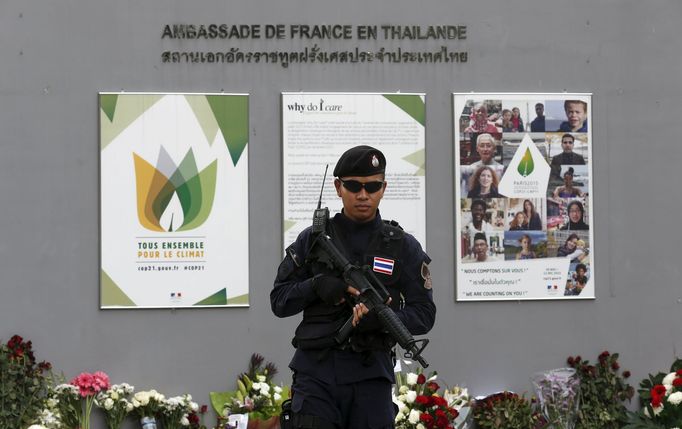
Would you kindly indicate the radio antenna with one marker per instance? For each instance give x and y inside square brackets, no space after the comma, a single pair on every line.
[319,202]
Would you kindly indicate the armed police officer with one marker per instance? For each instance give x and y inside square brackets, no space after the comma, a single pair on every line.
[348,385]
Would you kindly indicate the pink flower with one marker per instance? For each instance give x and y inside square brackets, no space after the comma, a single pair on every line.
[89,384]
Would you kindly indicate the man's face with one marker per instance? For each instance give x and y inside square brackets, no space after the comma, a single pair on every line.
[477,213]
[486,149]
[539,109]
[480,250]
[576,114]
[360,206]
[580,271]
[567,144]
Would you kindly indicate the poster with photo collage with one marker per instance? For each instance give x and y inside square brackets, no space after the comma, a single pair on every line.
[523,196]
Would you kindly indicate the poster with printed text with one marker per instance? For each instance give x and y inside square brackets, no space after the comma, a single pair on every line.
[173,200]
[318,127]
[523,196]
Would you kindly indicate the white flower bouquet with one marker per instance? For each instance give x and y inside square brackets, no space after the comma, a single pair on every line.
[115,403]
[174,412]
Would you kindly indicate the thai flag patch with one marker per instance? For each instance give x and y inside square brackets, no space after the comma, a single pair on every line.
[383,265]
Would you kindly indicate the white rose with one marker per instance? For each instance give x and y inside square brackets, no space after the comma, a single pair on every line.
[412,379]
[265,388]
[184,420]
[261,378]
[37,427]
[136,403]
[129,407]
[410,396]
[194,406]
[420,426]
[399,417]
[277,389]
[114,395]
[108,404]
[657,411]
[668,379]
[403,390]
[413,417]
[255,386]
[675,398]
[277,396]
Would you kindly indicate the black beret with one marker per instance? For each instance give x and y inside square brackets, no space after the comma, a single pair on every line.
[360,161]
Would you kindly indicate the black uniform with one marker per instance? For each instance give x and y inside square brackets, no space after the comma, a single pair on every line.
[350,385]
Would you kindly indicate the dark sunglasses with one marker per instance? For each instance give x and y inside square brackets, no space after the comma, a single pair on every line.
[354,186]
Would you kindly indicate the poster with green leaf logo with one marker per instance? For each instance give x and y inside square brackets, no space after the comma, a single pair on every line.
[173,200]
[523,193]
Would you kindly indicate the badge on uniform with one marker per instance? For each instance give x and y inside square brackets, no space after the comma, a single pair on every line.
[383,265]
[426,275]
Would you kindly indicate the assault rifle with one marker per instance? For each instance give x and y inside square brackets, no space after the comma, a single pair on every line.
[373,294]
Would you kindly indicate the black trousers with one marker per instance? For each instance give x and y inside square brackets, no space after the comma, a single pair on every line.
[366,404]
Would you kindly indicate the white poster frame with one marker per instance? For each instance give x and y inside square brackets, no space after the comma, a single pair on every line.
[492,272]
[174,192]
[360,111]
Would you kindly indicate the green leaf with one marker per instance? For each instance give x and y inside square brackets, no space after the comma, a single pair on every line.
[219,399]
[526,166]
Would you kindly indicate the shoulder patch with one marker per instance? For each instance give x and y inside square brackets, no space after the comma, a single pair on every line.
[426,275]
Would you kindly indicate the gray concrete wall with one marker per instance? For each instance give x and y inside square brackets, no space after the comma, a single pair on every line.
[56,56]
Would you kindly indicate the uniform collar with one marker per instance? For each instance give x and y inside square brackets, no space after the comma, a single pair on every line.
[350,225]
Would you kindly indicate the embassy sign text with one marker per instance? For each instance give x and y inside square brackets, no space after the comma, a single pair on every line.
[314,32]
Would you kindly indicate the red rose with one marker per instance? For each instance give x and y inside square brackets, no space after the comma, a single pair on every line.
[441,402]
[626,374]
[615,365]
[453,413]
[677,382]
[658,390]
[203,409]
[604,354]
[421,379]
[422,400]
[570,361]
[426,418]
[440,413]
[679,372]
[433,386]
[656,401]
[193,419]
[441,422]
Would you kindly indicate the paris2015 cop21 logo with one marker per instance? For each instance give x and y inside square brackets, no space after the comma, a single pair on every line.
[173,198]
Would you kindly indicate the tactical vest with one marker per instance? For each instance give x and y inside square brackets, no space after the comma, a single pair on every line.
[322,321]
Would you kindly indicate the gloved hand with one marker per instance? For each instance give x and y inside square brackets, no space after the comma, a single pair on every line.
[331,289]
